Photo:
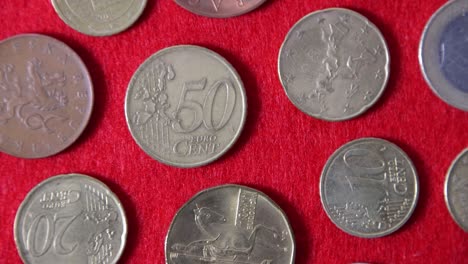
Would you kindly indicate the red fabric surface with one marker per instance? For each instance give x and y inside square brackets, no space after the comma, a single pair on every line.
[281,150]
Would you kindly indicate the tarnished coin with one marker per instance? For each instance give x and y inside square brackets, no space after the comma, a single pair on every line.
[185,106]
[334,64]
[443,53]
[70,219]
[456,190]
[369,188]
[220,8]
[99,17]
[230,224]
[46,96]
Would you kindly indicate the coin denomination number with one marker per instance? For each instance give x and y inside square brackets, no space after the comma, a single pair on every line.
[204,113]
[366,165]
[52,236]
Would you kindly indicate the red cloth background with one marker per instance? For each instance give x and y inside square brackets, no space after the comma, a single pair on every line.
[281,150]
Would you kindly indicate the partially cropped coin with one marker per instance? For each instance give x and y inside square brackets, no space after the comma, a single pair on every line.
[220,8]
[456,190]
[185,106]
[46,96]
[70,219]
[99,17]
[334,64]
[230,224]
[369,188]
[443,53]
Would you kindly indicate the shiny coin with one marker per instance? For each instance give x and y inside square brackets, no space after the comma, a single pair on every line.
[46,96]
[99,17]
[70,219]
[456,190]
[369,188]
[230,224]
[220,8]
[185,106]
[334,64]
[443,53]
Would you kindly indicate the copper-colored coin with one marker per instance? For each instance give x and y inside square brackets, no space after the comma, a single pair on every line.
[220,8]
[46,96]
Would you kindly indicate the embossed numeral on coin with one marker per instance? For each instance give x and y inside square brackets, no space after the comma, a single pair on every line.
[52,237]
[204,113]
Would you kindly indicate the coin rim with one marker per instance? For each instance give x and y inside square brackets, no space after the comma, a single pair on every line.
[212,15]
[448,177]
[24,203]
[266,197]
[330,162]
[86,118]
[68,22]
[209,53]
[439,85]
[382,88]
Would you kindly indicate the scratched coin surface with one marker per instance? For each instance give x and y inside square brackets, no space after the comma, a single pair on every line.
[334,64]
[99,17]
[230,224]
[73,219]
[46,96]
[456,190]
[185,106]
[443,53]
[369,188]
[220,8]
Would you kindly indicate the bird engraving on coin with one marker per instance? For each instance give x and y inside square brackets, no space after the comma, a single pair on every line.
[369,187]
[456,190]
[226,228]
[334,64]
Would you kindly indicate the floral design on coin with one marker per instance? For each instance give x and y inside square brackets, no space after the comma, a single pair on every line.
[70,219]
[185,106]
[443,53]
[456,190]
[220,8]
[99,17]
[369,187]
[222,225]
[46,96]
[334,64]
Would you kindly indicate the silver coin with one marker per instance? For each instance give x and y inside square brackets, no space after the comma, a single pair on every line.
[220,8]
[369,188]
[185,106]
[70,219]
[334,64]
[230,224]
[99,17]
[443,53]
[46,96]
[456,190]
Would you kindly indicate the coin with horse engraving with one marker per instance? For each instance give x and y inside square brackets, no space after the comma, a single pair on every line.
[99,17]
[230,224]
[334,64]
[443,53]
[46,96]
[220,8]
[369,188]
[456,190]
[70,219]
[185,106]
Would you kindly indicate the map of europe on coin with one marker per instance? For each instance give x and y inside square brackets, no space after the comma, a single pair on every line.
[46,96]
[230,224]
[71,219]
[185,106]
[334,64]
[220,8]
[443,53]
[99,17]
[456,190]
[369,188]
